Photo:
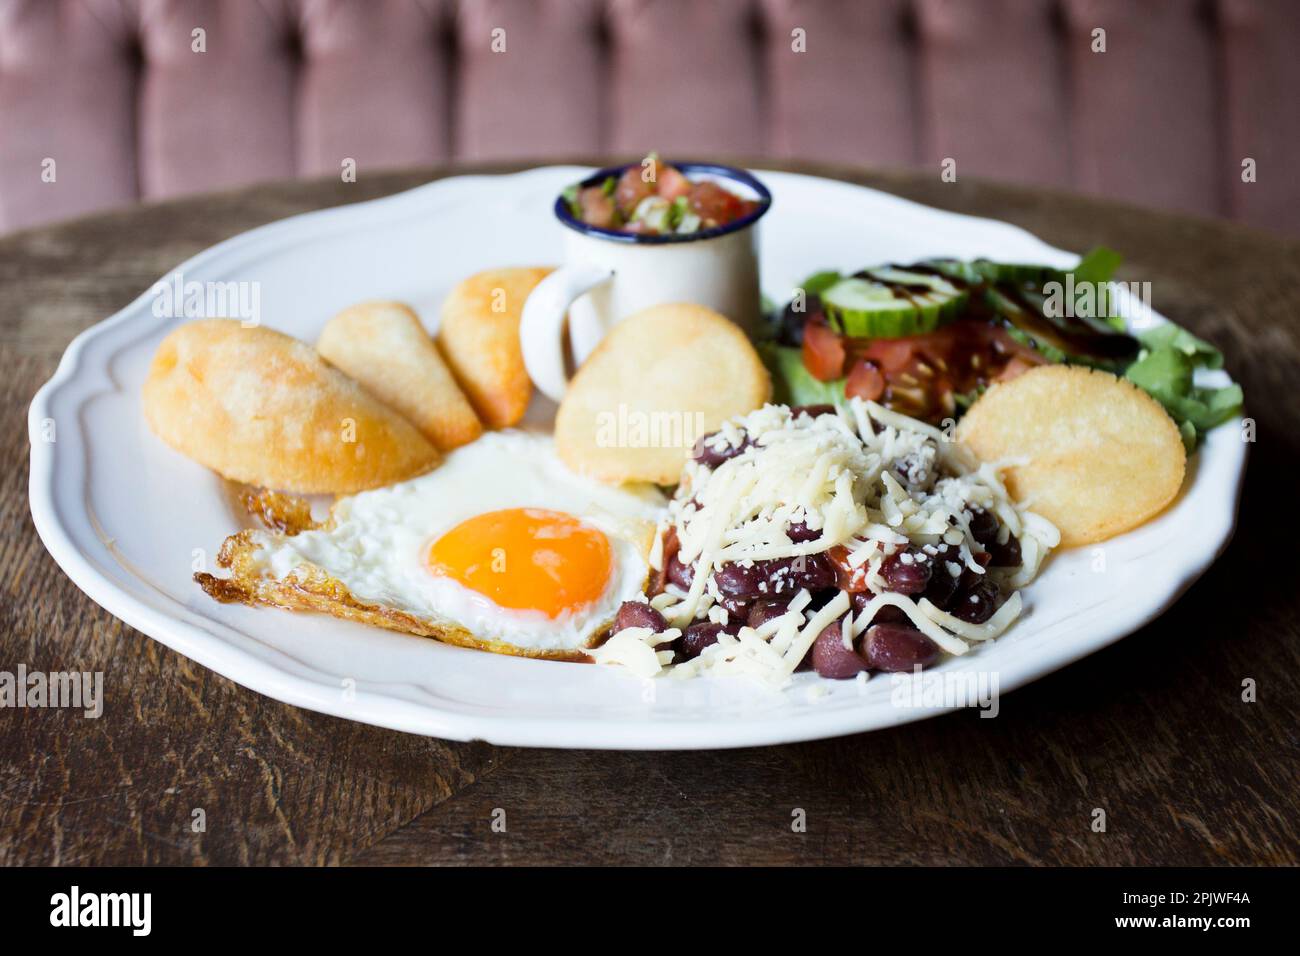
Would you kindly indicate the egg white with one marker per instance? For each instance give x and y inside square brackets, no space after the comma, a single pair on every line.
[379,540]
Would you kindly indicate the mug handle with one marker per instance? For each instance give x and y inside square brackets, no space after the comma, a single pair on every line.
[542,324]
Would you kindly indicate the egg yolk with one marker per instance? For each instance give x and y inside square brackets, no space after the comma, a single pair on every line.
[526,559]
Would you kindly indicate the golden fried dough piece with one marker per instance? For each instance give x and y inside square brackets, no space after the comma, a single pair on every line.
[658,381]
[479,335]
[260,407]
[1102,455]
[384,347]
[312,589]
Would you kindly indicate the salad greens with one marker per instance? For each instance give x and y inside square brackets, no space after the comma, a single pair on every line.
[1023,301]
[1098,265]
[1165,369]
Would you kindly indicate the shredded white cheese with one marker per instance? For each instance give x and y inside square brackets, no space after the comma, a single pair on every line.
[865,481]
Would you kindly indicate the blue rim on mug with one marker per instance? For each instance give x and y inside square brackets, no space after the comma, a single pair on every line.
[762,195]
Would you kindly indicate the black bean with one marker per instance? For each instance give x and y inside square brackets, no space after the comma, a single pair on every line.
[776,576]
[906,572]
[763,611]
[943,583]
[971,578]
[740,581]
[737,608]
[812,411]
[814,572]
[830,658]
[639,614]
[799,532]
[708,454]
[819,599]
[897,648]
[790,321]
[680,573]
[976,604]
[698,636]
[885,614]
[1005,555]
[983,526]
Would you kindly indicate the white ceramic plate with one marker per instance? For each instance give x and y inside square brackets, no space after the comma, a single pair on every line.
[127,518]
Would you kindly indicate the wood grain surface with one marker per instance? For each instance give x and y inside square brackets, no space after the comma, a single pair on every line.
[1153,730]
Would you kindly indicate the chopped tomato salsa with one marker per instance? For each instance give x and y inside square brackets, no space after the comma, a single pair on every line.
[654,198]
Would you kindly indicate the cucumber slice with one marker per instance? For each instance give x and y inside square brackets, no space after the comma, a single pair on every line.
[980,271]
[924,288]
[862,309]
[963,272]
[890,303]
[1017,273]
[891,275]
[1097,266]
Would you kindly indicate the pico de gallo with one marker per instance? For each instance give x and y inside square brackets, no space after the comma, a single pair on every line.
[654,198]
[927,339]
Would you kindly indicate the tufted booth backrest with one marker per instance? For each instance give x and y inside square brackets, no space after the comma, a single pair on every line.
[114,92]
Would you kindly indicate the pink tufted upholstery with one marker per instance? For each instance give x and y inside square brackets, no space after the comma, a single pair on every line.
[1010,89]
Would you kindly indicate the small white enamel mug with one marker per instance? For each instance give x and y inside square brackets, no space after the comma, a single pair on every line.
[608,275]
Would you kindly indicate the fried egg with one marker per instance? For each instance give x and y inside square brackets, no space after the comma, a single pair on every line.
[501,540]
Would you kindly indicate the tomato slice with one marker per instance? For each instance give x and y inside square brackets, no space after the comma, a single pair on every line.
[918,375]
[865,381]
[892,356]
[924,373]
[823,352]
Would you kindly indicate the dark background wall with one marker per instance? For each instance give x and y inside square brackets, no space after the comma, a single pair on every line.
[114,92]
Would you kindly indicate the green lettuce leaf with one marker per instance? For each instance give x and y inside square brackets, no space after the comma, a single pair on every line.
[1166,368]
[819,282]
[1202,353]
[1098,265]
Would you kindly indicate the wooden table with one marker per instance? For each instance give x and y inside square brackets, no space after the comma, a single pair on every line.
[1152,730]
